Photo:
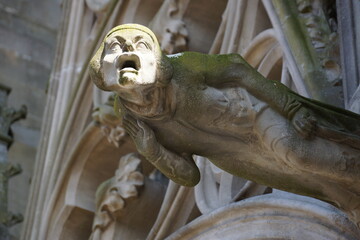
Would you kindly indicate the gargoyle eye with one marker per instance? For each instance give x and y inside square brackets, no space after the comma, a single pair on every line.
[142,46]
[115,47]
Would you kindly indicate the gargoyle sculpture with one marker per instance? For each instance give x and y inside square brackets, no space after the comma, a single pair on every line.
[219,107]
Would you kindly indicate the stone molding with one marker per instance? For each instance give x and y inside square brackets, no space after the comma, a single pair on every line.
[271,217]
[123,186]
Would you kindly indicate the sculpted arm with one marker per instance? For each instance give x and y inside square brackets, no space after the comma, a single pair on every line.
[180,169]
[238,73]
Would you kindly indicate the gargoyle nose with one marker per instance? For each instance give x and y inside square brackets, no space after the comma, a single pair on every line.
[128,46]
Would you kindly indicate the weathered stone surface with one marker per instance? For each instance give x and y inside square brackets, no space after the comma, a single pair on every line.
[271,217]
[219,107]
[27,43]
[68,211]
[121,201]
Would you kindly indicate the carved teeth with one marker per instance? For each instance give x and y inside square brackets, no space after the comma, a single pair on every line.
[129,62]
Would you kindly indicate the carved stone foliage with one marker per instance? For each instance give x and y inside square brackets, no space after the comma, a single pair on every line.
[113,193]
[310,47]
[169,27]
[321,25]
[8,115]
[109,123]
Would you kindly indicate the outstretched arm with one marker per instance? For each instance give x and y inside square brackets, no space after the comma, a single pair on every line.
[236,72]
[181,170]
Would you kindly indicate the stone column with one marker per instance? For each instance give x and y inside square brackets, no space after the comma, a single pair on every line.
[7,170]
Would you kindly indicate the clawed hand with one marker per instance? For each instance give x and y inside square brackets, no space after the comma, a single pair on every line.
[302,120]
[304,123]
[142,135]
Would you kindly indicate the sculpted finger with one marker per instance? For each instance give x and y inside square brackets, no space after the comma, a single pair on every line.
[130,131]
[308,131]
[142,125]
[131,122]
[130,118]
[291,108]
[133,126]
[145,128]
[301,129]
[298,125]
[129,126]
[293,111]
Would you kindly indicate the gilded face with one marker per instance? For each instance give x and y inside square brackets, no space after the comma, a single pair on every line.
[129,60]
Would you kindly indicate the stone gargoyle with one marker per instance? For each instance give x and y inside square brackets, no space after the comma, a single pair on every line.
[219,107]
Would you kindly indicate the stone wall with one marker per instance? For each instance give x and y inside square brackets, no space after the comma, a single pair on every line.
[27,46]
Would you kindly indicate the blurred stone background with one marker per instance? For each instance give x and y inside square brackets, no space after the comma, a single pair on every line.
[28,31]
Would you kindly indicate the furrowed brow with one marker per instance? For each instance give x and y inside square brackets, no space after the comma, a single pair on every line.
[115,38]
[137,38]
[120,39]
[109,41]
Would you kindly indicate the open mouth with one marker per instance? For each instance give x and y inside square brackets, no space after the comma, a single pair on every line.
[129,62]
